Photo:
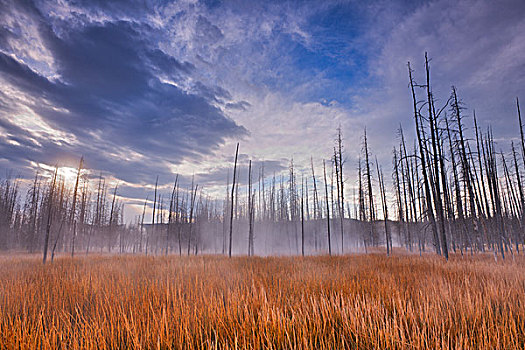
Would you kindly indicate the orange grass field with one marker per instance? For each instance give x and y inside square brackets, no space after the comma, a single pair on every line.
[209,302]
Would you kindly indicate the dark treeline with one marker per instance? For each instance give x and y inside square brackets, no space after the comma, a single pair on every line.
[449,192]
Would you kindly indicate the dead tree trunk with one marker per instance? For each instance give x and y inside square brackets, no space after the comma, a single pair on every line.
[302,217]
[317,207]
[341,198]
[428,195]
[385,208]
[437,193]
[49,214]
[170,214]
[371,206]
[327,210]
[250,211]
[193,194]
[233,192]
[72,218]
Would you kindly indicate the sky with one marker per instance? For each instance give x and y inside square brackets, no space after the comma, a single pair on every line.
[143,88]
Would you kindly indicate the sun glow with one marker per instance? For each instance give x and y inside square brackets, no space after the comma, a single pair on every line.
[69,174]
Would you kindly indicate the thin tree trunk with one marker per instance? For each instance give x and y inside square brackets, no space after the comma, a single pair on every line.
[49,213]
[233,192]
[327,210]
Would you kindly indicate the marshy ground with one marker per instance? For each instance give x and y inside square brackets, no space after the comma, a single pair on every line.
[206,302]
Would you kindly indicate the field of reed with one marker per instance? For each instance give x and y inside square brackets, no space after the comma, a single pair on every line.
[211,302]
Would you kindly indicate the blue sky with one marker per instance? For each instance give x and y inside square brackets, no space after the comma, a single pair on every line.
[147,88]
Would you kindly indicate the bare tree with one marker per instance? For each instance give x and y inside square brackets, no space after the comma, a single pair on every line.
[327,210]
[50,197]
[233,192]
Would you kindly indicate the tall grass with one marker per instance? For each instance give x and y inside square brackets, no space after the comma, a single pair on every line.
[361,301]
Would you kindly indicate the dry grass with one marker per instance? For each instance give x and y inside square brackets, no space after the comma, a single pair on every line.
[262,303]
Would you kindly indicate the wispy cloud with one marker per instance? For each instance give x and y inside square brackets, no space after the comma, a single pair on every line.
[110,101]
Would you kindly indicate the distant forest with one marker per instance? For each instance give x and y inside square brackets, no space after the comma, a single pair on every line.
[449,192]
